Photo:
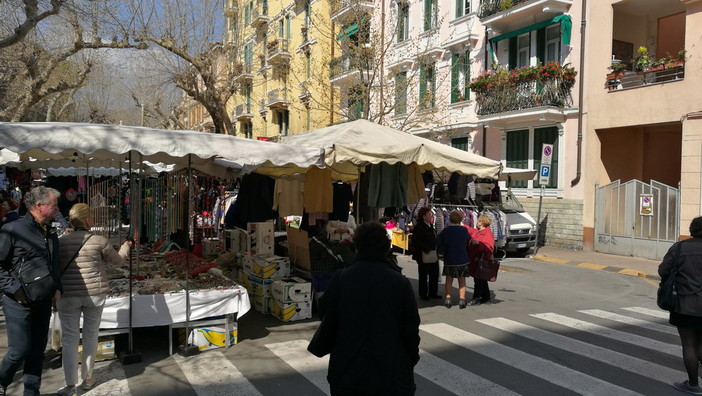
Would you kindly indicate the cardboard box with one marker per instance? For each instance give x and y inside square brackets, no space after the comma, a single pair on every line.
[214,337]
[259,286]
[260,238]
[291,290]
[105,349]
[272,267]
[299,248]
[288,312]
[235,240]
[261,304]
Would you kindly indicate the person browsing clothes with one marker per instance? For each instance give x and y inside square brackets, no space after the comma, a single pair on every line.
[482,244]
[424,244]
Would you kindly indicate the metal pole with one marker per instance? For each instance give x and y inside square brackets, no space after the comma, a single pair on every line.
[538,220]
[188,349]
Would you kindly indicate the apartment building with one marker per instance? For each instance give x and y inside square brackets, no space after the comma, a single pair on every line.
[281,45]
[642,126]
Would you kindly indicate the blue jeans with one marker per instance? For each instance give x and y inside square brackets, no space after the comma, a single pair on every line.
[27,333]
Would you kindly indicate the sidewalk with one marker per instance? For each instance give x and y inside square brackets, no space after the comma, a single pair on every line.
[633,266]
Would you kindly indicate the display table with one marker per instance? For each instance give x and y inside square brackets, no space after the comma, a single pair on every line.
[167,309]
[401,239]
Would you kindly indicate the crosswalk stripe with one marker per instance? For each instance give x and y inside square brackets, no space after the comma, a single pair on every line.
[611,333]
[617,359]
[656,313]
[117,383]
[668,329]
[211,373]
[295,354]
[455,379]
[534,365]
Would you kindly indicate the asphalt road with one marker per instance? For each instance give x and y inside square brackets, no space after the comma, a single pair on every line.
[551,329]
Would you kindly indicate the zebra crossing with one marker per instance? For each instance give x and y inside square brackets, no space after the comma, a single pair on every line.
[623,351]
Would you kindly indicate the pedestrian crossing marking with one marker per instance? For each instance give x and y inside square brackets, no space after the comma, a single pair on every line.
[456,379]
[533,365]
[614,358]
[668,329]
[611,333]
[212,374]
[295,354]
[656,313]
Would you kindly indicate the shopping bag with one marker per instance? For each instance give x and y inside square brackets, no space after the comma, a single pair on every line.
[55,328]
[486,269]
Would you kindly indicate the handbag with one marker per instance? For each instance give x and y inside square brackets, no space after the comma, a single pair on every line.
[667,298]
[324,337]
[430,257]
[486,269]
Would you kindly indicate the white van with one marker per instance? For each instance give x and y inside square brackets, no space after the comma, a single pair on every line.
[522,227]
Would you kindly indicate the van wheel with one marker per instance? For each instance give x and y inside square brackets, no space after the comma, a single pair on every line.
[523,250]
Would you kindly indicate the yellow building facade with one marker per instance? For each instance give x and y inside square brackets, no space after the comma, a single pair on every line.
[280,48]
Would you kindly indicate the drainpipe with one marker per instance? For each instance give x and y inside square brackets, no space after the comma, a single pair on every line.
[583,25]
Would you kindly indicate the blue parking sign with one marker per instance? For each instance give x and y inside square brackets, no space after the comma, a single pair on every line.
[545,170]
[545,175]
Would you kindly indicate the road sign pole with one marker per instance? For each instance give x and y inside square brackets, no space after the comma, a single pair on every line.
[538,220]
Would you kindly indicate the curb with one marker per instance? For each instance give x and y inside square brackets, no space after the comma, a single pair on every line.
[599,267]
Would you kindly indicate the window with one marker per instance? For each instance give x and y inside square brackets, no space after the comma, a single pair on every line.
[281,28]
[248,10]
[462,8]
[306,34]
[519,155]
[283,122]
[402,22]
[460,76]
[287,27]
[248,54]
[523,49]
[247,94]
[430,14]
[460,143]
[427,86]
[247,129]
[553,44]
[401,93]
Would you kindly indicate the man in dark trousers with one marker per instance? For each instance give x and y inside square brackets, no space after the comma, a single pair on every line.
[28,244]
[377,340]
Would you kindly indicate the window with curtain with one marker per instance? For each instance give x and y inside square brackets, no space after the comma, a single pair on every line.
[427,86]
[431,8]
[402,21]
[462,8]
[460,76]
[401,93]
[553,44]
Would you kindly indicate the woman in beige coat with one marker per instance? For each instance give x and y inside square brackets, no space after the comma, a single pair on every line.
[84,260]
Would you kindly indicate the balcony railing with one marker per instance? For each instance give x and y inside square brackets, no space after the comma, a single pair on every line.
[491,7]
[278,52]
[243,111]
[260,15]
[348,62]
[246,73]
[524,95]
[630,79]
[278,98]
[339,8]
[231,9]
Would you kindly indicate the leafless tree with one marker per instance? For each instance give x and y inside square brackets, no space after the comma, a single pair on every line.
[20,17]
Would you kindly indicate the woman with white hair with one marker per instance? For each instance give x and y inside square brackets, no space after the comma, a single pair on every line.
[84,260]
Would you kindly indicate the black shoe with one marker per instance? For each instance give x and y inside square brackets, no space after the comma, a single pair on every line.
[475,301]
[436,297]
[462,304]
[447,303]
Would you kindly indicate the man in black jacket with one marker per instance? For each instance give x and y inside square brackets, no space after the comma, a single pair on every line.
[26,242]
[377,340]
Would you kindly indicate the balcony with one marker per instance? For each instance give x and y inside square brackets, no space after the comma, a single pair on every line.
[278,52]
[278,98]
[259,16]
[305,94]
[504,15]
[246,74]
[231,9]
[652,76]
[463,35]
[345,10]
[242,112]
[504,90]
[352,66]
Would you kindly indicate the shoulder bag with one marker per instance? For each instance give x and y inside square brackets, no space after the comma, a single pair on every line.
[668,290]
[486,269]
[430,257]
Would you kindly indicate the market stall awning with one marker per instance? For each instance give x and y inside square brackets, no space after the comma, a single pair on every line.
[106,145]
[355,144]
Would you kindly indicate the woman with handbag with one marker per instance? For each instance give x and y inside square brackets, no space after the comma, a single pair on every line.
[482,245]
[684,262]
[453,240]
[84,259]
[424,252]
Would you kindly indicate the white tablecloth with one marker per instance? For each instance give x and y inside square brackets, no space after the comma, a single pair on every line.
[165,309]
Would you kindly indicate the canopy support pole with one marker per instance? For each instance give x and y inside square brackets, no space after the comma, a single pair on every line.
[188,349]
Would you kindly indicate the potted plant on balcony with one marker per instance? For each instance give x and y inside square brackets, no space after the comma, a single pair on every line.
[642,61]
[617,69]
[272,44]
[676,62]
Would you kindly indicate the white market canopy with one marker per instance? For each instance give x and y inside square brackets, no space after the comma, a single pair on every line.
[108,145]
[355,144]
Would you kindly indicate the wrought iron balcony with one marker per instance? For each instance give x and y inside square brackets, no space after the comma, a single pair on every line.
[278,98]
[491,7]
[342,10]
[242,112]
[524,95]
[260,17]
[278,52]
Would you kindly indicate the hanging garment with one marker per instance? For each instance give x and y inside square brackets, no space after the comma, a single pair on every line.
[388,185]
[415,185]
[288,197]
[342,197]
[318,192]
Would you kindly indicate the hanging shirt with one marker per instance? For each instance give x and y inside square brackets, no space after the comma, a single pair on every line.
[342,197]
[415,185]
[288,197]
[388,185]
[318,192]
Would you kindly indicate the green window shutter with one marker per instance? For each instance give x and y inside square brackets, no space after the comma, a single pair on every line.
[466,74]
[432,83]
[287,27]
[513,50]
[459,8]
[543,136]
[455,70]
[541,46]
[517,152]
[422,86]
[427,14]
